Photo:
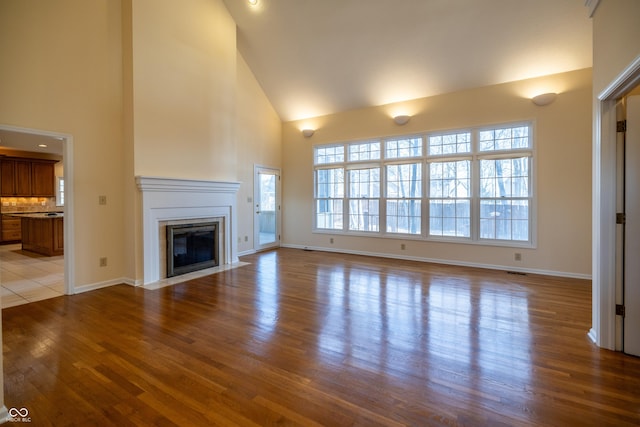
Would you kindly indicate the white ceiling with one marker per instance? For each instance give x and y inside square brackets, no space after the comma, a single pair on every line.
[25,141]
[316,57]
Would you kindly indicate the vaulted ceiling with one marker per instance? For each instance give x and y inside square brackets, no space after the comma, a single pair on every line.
[317,57]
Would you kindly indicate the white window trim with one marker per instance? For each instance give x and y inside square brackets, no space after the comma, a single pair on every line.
[425,159]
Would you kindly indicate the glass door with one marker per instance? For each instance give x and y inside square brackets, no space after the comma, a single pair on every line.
[267,208]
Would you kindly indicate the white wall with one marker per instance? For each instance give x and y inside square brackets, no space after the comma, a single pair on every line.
[184,76]
[258,142]
[563,159]
[66,77]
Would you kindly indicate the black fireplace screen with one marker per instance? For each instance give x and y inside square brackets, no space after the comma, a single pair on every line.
[191,247]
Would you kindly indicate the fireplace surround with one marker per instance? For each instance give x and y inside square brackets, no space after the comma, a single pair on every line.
[171,200]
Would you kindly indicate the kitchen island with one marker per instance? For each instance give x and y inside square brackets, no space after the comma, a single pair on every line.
[43,233]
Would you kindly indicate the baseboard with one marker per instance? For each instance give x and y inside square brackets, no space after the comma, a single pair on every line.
[446,262]
[105,284]
[249,252]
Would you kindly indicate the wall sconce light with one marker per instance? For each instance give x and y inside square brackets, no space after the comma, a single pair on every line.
[402,119]
[544,99]
[307,133]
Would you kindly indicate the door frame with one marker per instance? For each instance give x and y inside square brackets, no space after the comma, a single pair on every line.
[257,169]
[620,227]
[603,328]
[67,162]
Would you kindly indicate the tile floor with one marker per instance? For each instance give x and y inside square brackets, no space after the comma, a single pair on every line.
[27,277]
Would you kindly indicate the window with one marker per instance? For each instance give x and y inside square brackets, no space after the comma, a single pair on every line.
[469,186]
[364,199]
[364,151]
[60,191]
[404,198]
[450,198]
[504,199]
[329,198]
[403,148]
[329,154]
[505,191]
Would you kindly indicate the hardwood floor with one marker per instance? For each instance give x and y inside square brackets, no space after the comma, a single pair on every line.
[313,338]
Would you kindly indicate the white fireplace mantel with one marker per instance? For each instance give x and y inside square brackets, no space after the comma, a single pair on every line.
[169,199]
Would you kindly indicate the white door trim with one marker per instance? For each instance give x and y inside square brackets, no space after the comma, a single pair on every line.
[603,330]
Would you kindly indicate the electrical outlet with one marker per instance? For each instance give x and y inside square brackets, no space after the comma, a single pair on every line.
[517,256]
[102,200]
[331,240]
[103,261]
[246,238]
[403,246]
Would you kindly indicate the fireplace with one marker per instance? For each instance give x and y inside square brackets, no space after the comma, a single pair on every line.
[191,247]
[171,201]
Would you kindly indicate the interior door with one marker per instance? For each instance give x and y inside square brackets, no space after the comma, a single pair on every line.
[267,208]
[632,229]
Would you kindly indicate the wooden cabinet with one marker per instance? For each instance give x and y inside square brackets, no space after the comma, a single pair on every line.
[27,177]
[11,229]
[15,177]
[43,235]
[58,236]
[42,179]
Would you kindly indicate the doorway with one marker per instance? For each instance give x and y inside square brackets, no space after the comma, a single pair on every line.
[267,208]
[607,328]
[34,142]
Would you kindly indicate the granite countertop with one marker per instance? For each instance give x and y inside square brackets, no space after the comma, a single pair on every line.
[36,215]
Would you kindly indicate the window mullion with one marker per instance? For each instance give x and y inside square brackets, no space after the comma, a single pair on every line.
[426,181]
[475,191]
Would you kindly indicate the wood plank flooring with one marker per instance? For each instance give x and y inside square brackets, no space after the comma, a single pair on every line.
[320,339]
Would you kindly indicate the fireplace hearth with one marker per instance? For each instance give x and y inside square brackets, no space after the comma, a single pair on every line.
[191,247]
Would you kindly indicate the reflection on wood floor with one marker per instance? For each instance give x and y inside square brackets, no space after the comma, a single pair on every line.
[313,338]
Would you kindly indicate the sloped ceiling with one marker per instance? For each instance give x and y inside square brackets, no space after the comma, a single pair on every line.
[317,57]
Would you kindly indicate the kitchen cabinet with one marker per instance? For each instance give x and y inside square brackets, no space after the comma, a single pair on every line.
[11,229]
[43,234]
[42,179]
[15,177]
[27,177]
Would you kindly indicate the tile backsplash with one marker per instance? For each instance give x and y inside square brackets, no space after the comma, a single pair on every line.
[28,204]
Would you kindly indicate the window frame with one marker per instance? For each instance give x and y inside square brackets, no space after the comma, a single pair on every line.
[475,156]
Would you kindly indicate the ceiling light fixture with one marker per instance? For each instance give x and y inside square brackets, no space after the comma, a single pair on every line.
[308,132]
[402,119]
[544,99]
[253,2]
[42,145]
